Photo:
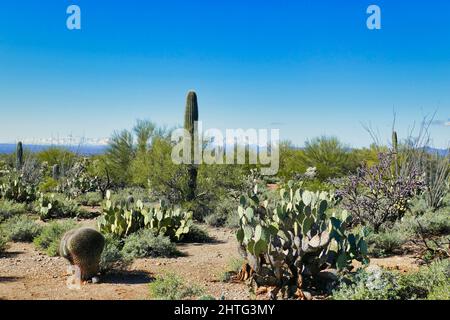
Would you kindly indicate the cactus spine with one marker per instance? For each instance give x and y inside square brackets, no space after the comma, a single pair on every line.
[190,120]
[19,155]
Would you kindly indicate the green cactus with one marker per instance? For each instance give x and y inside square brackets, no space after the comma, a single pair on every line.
[190,118]
[123,219]
[295,238]
[56,171]
[395,152]
[15,188]
[394,142]
[83,247]
[19,155]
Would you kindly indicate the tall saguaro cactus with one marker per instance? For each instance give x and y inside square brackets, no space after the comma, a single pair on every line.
[190,118]
[19,155]
[395,151]
[56,171]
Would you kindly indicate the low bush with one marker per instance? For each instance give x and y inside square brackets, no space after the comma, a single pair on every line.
[440,293]
[48,240]
[56,206]
[90,199]
[122,196]
[386,242]
[418,285]
[433,223]
[374,283]
[223,213]
[112,256]
[10,208]
[196,234]
[144,243]
[172,287]
[21,229]
[233,267]
[48,185]
[3,243]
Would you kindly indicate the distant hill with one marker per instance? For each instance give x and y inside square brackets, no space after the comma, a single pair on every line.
[82,149]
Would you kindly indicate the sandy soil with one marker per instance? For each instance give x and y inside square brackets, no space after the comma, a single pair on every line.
[26,273]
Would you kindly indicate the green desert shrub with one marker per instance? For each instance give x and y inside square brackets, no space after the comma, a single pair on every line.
[122,195]
[233,267]
[434,223]
[216,219]
[386,242]
[90,199]
[48,185]
[10,208]
[112,256]
[372,283]
[224,214]
[375,283]
[196,234]
[427,223]
[21,229]
[440,293]
[48,240]
[418,285]
[3,243]
[172,287]
[144,243]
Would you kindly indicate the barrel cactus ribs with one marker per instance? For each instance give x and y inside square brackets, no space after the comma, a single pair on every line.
[82,248]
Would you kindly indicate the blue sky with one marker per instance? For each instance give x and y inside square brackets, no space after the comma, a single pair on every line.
[308,68]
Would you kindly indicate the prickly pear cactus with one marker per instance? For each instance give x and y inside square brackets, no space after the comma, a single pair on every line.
[293,239]
[83,248]
[123,219]
[15,188]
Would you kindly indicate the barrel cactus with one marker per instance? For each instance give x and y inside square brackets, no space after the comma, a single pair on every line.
[190,119]
[82,248]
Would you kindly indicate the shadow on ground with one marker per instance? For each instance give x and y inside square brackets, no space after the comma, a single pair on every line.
[128,277]
[9,279]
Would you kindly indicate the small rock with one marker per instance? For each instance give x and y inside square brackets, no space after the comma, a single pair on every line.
[307,295]
[95,280]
